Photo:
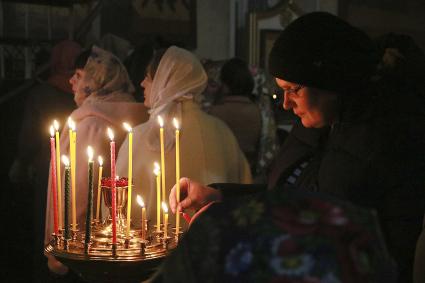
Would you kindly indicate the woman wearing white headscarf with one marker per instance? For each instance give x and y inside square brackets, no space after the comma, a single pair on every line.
[103,93]
[208,149]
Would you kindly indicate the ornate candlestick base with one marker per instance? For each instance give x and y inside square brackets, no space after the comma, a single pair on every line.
[133,258]
[134,262]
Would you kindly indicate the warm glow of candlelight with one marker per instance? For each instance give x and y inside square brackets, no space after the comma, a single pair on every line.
[65,160]
[164,207]
[52,131]
[90,153]
[100,160]
[176,123]
[139,200]
[127,127]
[160,121]
[71,124]
[157,169]
[110,134]
[56,125]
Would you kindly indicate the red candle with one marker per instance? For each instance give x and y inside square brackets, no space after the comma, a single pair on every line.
[113,188]
[53,184]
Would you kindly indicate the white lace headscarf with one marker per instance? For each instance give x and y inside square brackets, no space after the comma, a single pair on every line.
[106,78]
[179,76]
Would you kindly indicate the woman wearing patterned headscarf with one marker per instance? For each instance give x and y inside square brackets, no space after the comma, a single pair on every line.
[104,96]
[209,150]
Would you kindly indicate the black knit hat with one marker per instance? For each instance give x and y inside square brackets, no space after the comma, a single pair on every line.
[321,50]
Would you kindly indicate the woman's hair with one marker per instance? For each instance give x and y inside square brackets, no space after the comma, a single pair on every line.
[236,75]
[81,60]
[154,63]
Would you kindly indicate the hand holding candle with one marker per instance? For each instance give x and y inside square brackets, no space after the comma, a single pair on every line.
[130,175]
[58,173]
[53,179]
[142,204]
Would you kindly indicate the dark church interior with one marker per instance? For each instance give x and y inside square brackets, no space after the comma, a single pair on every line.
[300,155]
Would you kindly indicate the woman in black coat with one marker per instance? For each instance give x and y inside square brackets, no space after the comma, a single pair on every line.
[360,136]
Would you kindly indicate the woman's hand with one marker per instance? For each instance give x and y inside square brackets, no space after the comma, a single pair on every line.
[55,266]
[193,196]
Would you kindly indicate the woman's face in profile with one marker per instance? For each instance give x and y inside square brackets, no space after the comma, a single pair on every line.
[146,84]
[76,82]
[316,108]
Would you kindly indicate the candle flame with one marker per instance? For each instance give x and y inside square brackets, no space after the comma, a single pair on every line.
[56,125]
[140,201]
[71,124]
[176,123]
[52,131]
[111,134]
[117,178]
[157,169]
[65,160]
[274,96]
[164,207]
[90,153]
[127,126]
[156,165]
[100,160]
[160,121]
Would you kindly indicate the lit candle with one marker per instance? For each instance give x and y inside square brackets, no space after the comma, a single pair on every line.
[53,178]
[130,175]
[58,173]
[161,137]
[114,191]
[165,208]
[176,125]
[142,204]
[90,198]
[157,172]
[72,143]
[99,185]
[65,161]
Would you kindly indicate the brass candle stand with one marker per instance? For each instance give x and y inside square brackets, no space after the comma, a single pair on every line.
[131,259]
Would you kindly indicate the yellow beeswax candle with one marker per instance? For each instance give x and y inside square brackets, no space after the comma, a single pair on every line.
[142,204]
[130,176]
[58,171]
[161,137]
[165,208]
[99,185]
[72,149]
[157,173]
[176,125]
